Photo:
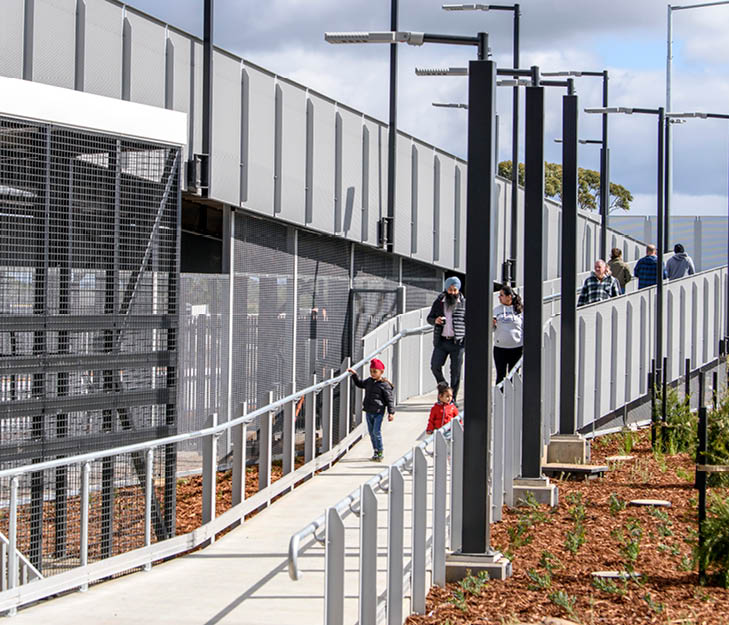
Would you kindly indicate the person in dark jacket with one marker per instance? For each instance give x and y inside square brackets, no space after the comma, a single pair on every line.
[378,398]
[646,268]
[448,316]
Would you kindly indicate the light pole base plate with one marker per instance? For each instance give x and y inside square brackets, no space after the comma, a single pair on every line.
[459,564]
[543,490]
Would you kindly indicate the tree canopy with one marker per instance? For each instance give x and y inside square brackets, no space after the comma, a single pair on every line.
[588,186]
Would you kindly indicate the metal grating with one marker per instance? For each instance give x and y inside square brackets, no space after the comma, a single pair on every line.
[88,328]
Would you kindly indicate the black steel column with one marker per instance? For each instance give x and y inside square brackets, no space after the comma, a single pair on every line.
[604,172]
[659,241]
[389,229]
[207,103]
[667,187]
[531,449]
[568,314]
[479,204]
[515,155]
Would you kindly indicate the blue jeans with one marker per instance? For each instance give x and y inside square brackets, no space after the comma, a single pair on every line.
[374,426]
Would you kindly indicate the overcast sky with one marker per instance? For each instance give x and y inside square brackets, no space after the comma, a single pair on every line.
[627,37]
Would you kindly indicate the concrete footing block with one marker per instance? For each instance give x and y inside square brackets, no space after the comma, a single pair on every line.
[459,564]
[543,490]
[568,449]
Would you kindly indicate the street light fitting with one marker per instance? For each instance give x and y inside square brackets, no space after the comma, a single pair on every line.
[441,71]
[684,115]
[466,7]
[386,36]
[514,83]
[611,109]
[451,105]
[568,73]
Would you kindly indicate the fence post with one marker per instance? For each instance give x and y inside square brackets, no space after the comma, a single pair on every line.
[13,539]
[664,405]
[396,353]
[687,382]
[701,486]
[344,407]
[239,439]
[265,439]
[652,383]
[289,437]
[210,465]
[439,509]
[327,414]
[148,490]
[84,538]
[395,539]
[310,423]
[368,556]
[715,389]
[457,484]
[334,570]
[420,496]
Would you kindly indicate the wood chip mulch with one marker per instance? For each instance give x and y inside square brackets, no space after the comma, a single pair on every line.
[668,591]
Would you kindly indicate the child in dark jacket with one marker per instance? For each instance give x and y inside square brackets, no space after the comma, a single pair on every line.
[444,410]
[378,397]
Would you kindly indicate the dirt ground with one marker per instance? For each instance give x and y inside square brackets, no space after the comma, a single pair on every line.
[655,542]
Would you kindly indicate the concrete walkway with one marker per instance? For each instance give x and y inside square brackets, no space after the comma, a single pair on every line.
[242,578]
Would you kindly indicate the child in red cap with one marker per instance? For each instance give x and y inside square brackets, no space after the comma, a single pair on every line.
[444,410]
[378,397]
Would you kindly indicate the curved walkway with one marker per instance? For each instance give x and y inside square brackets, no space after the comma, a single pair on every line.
[242,578]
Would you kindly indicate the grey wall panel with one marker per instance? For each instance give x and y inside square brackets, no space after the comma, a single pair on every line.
[376,180]
[181,67]
[197,79]
[403,195]
[323,163]
[461,167]
[425,203]
[225,165]
[103,53]
[54,42]
[261,126]
[447,190]
[11,39]
[351,200]
[147,60]
[293,156]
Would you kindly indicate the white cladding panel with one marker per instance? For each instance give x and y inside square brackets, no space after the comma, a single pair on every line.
[225,165]
[197,74]
[103,54]
[261,125]
[322,210]
[403,195]
[54,42]
[181,50]
[11,39]
[147,72]
[351,167]
[446,229]
[373,184]
[425,202]
[461,191]
[293,152]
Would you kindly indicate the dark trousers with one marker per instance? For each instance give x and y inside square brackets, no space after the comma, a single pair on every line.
[505,358]
[442,349]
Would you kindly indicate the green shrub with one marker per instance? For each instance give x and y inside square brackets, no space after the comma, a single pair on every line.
[718,441]
[715,549]
[681,430]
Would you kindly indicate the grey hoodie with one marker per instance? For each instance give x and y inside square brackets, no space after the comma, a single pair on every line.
[679,265]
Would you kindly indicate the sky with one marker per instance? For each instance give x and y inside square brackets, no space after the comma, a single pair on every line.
[626,37]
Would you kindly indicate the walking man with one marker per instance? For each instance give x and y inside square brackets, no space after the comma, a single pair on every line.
[448,316]
[680,264]
[599,286]
[645,268]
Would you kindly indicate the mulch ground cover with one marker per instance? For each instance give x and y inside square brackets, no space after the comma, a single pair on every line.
[656,542]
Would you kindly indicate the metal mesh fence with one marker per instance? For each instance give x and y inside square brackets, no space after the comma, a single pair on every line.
[422,283]
[88,329]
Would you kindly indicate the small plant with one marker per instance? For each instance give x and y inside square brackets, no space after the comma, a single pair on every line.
[575,538]
[714,552]
[458,599]
[609,586]
[627,442]
[549,562]
[519,534]
[474,584]
[656,607]
[684,475]
[542,581]
[564,601]
[629,542]
[616,504]
[686,564]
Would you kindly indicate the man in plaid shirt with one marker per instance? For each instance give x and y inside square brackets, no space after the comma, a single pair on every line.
[646,269]
[599,286]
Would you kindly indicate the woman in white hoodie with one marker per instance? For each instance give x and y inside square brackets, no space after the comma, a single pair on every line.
[508,331]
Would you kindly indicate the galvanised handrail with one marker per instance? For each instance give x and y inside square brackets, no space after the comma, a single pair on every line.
[217,429]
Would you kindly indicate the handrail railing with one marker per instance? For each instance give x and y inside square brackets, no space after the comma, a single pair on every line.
[217,429]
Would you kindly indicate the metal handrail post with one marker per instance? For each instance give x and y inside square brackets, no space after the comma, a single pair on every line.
[395,544]
[419,512]
[334,569]
[368,556]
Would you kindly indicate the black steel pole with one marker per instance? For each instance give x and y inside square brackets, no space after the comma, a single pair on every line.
[389,229]
[531,451]
[515,157]
[701,486]
[659,243]
[667,188]
[483,46]
[604,172]
[479,199]
[568,314]
[207,103]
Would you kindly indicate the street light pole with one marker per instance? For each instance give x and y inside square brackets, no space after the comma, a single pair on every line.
[388,230]
[604,172]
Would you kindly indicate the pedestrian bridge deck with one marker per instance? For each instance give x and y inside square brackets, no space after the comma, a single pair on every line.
[242,578]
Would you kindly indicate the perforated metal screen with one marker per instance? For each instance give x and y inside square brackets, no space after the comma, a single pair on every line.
[88,328]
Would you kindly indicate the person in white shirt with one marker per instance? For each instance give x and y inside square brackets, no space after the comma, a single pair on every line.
[508,325]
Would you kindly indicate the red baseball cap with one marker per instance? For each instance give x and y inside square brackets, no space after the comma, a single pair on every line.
[376,363]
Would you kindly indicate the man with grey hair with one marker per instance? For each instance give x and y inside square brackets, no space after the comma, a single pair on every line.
[448,316]
[599,286]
